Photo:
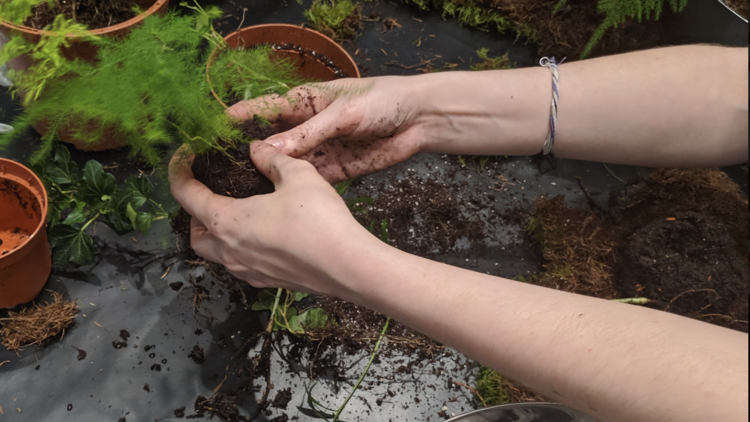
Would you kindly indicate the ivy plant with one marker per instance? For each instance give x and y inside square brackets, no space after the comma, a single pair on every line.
[79,198]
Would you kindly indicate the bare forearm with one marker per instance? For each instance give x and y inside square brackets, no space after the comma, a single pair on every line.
[617,362]
[679,106]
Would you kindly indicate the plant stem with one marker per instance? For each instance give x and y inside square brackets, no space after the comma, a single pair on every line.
[98,214]
[364,373]
[273,310]
[633,300]
[613,173]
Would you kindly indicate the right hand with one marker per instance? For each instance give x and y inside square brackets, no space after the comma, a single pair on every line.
[345,128]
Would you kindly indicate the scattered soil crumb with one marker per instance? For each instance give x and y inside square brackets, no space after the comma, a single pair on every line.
[180,412]
[281,418]
[177,285]
[35,324]
[81,353]
[283,397]
[125,335]
[197,355]
[146,388]
[119,344]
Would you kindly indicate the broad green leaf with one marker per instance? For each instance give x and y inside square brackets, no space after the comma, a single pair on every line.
[58,175]
[70,244]
[313,318]
[76,216]
[292,316]
[265,300]
[61,154]
[143,222]
[136,192]
[299,296]
[96,184]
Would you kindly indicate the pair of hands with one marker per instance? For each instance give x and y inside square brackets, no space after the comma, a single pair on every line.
[296,237]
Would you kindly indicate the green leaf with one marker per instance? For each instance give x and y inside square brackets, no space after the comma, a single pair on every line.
[295,325]
[265,300]
[342,187]
[384,231]
[70,244]
[299,296]
[132,215]
[313,318]
[76,216]
[143,222]
[96,184]
[58,175]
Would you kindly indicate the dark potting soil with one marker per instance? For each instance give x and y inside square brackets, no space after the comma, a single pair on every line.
[197,354]
[94,14]
[678,239]
[234,174]
[739,6]
[687,264]
[282,399]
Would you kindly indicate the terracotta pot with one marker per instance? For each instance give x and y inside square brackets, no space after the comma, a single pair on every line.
[85,51]
[25,260]
[280,34]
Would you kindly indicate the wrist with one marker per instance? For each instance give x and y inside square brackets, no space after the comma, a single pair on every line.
[503,112]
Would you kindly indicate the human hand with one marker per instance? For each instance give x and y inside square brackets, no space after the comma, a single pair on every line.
[298,237]
[345,128]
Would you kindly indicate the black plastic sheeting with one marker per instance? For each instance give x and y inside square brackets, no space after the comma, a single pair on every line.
[128,287]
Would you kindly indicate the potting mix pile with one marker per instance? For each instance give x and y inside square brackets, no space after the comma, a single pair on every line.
[93,13]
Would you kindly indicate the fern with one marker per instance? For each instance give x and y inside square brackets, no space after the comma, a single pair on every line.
[492,63]
[16,11]
[46,55]
[617,12]
[149,87]
[250,73]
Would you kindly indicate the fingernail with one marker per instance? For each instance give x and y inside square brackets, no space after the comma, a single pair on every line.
[275,142]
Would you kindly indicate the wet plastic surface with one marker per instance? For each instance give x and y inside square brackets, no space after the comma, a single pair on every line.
[128,287]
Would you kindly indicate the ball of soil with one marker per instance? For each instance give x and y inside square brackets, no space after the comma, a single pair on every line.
[689,265]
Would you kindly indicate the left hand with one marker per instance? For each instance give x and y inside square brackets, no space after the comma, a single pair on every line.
[300,237]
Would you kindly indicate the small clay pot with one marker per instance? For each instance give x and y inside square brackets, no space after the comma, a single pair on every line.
[284,34]
[83,50]
[25,260]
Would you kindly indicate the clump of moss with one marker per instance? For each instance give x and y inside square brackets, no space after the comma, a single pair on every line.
[483,18]
[35,324]
[493,389]
[242,74]
[338,19]
[578,246]
[492,63]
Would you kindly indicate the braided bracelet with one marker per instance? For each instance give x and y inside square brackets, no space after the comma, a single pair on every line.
[549,62]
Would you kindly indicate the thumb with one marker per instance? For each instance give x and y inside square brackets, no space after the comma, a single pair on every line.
[273,163]
[300,140]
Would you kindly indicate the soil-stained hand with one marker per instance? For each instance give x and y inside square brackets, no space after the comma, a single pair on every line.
[295,238]
[345,128]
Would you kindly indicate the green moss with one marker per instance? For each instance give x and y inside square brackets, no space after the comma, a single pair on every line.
[492,387]
[492,63]
[251,73]
[470,14]
[338,19]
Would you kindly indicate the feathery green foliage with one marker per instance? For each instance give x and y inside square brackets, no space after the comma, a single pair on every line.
[16,11]
[617,12]
[471,14]
[242,74]
[339,19]
[149,87]
[492,63]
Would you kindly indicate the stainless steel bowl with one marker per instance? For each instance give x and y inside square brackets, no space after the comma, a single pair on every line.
[525,412]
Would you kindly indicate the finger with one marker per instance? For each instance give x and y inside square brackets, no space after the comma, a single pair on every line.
[204,244]
[338,160]
[194,196]
[291,109]
[276,165]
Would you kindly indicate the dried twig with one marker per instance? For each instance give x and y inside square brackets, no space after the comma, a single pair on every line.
[35,324]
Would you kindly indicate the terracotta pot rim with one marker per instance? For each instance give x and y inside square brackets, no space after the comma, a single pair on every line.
[99,31]
[212,57]
[41,196]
